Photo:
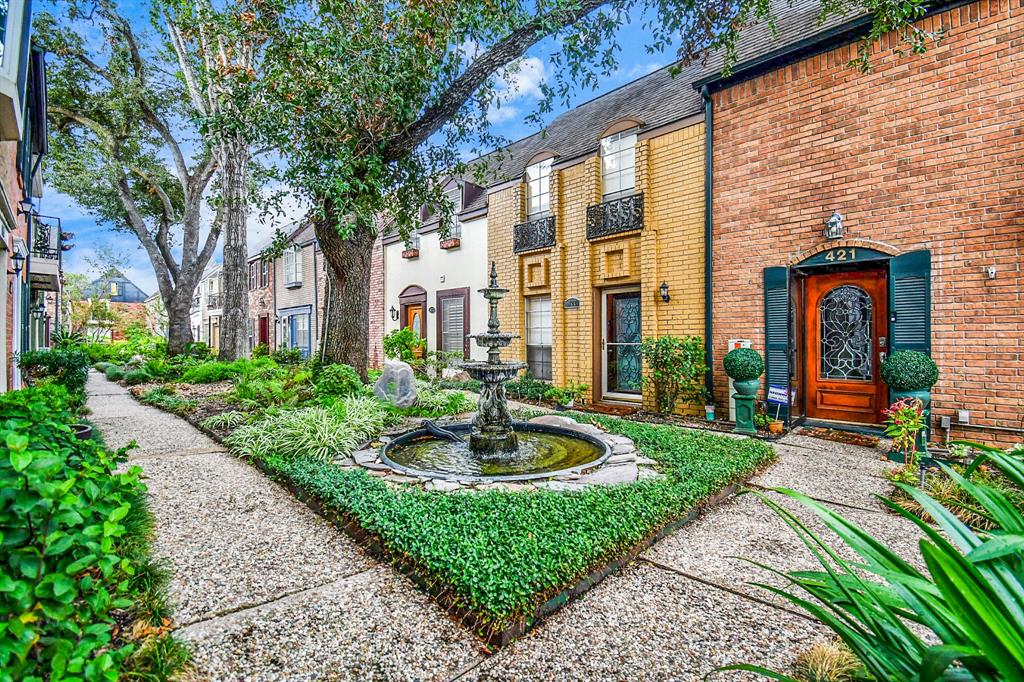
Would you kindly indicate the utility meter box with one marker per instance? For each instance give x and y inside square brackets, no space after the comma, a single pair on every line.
[733,345]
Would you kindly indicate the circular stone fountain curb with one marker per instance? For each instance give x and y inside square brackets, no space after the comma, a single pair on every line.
[621,464]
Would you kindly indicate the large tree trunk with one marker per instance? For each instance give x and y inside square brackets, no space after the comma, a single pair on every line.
[179,322]
[346,328]
[235,195]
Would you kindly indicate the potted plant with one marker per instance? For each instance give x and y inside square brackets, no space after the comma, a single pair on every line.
[910,374]
[82,431]
[904,422]
[745,367]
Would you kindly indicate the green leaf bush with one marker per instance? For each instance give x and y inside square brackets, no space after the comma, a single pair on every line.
[909,370]
[136,377]
[436,402]
[210,372]
[402,344]
[743,364]
[68,367]
[165,398]
[338,380]
[287,356]
[114,373]
[676,369]
[970,602]
[74,556]
[504,553]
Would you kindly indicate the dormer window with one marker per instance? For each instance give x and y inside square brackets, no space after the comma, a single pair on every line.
[538,189]
[618,165]
[293,266]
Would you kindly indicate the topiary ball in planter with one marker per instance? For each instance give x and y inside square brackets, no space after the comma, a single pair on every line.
[745,367]
[909,370]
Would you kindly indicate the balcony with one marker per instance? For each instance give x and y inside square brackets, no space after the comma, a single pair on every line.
[608,218]
[214,301]
[534,234]
[44,272]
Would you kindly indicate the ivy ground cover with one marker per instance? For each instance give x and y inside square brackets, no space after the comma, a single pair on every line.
[501,554]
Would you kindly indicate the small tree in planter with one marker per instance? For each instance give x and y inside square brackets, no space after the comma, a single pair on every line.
[676,370]
[745,367]
[911,374]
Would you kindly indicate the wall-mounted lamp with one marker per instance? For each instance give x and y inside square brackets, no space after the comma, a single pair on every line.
[17,260]
[25,207]
[39,312]
[394,314]
[663,290]
[834,226]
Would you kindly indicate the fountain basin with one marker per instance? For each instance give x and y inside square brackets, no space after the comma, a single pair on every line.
[543,452]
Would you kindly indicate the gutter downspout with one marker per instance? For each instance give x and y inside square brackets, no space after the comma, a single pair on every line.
[709,355]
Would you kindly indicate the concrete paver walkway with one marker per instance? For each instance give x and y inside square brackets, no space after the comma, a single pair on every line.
[267,590]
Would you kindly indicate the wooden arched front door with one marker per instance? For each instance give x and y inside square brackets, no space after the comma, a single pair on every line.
[413,301]
[846,315]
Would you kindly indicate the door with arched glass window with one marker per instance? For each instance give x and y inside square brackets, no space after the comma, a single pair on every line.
[845,313]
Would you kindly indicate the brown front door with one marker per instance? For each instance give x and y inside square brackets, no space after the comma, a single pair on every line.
[414,321]
[846,321]
[264,329]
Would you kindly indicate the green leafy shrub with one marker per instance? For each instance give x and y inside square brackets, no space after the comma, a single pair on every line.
[260,350]
[366,416]
[743,364]
[67,367]
[338,380]
[969,601]
[63,338]
[435,402]
[403,344]
[100,352]
[909,370]
[457,385]
[317,433]
[73,554]
[210,372]
[136,377]
[165,399]
[287,356]
[527,388]
[567,395]
[676,370]
[102,366]
[114,373]
[197,350]
[546,540]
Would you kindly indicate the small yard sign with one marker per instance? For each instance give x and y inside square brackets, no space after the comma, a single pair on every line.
[778,395]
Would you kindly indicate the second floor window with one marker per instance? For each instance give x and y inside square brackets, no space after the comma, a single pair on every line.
[293,266]
[618,161]
[264,273]
[538,189]
[252,276]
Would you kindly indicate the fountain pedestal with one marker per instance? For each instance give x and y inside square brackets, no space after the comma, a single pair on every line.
[493,436]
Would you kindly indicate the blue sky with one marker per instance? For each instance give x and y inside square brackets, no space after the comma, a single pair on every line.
[508,121]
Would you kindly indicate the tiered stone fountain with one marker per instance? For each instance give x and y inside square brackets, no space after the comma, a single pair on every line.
[498,448]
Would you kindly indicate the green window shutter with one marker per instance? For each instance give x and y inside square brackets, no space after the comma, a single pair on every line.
[910,302]
[776,330]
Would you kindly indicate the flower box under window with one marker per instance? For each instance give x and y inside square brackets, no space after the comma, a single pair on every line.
[451,243]
[411,253]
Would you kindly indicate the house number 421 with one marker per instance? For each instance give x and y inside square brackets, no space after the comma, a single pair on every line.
[839,255]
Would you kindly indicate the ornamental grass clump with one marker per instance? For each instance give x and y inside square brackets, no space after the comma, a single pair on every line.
[366,416]
[314,433]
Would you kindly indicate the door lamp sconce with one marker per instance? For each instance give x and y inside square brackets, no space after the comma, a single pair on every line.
[394,314]
[834,226]
[663,290]
[25,207]
[18,261]
[39,312]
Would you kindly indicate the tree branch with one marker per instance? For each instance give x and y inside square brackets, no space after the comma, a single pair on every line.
[483,67]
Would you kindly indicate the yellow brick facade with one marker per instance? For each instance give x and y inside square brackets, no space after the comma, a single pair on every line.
[670,248]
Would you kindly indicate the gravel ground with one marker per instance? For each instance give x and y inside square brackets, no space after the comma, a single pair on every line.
[650,624]
[370,626]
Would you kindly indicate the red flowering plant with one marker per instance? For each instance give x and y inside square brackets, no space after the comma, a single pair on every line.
[904,419]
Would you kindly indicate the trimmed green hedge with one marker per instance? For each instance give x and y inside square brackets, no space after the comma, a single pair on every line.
[909,370]
[504,553]
[743,364]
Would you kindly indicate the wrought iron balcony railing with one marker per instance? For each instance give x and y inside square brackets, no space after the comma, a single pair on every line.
[46,240]
[624,214]
[214,301]
[534,234]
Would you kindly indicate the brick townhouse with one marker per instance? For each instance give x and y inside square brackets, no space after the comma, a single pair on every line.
[921,158]
[299,280]
[699,205]
[261,326]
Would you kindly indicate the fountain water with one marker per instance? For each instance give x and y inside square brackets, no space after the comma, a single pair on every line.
[498,448]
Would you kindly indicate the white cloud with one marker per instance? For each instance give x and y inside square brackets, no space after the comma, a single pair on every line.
[522,79]
[502,114]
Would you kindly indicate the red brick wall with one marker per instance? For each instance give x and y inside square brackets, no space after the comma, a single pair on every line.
[377,305]
[261,302]
[924,152]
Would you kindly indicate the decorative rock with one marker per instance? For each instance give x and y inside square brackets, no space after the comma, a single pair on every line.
[620,459]
[623,448]
[646,460]
[364,457]
[612,475]
[345,462]
[397,384]
[443,486]
[614,439]
[644,473]
[566,423]
[378,466]
[561,486]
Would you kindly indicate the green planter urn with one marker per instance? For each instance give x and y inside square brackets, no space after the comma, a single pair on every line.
[745,367]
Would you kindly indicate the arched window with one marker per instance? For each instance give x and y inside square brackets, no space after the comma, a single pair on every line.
[846,351]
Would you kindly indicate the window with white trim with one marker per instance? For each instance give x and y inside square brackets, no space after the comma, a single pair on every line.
[618,165]
[538,188]
[293,266]
[538,336]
